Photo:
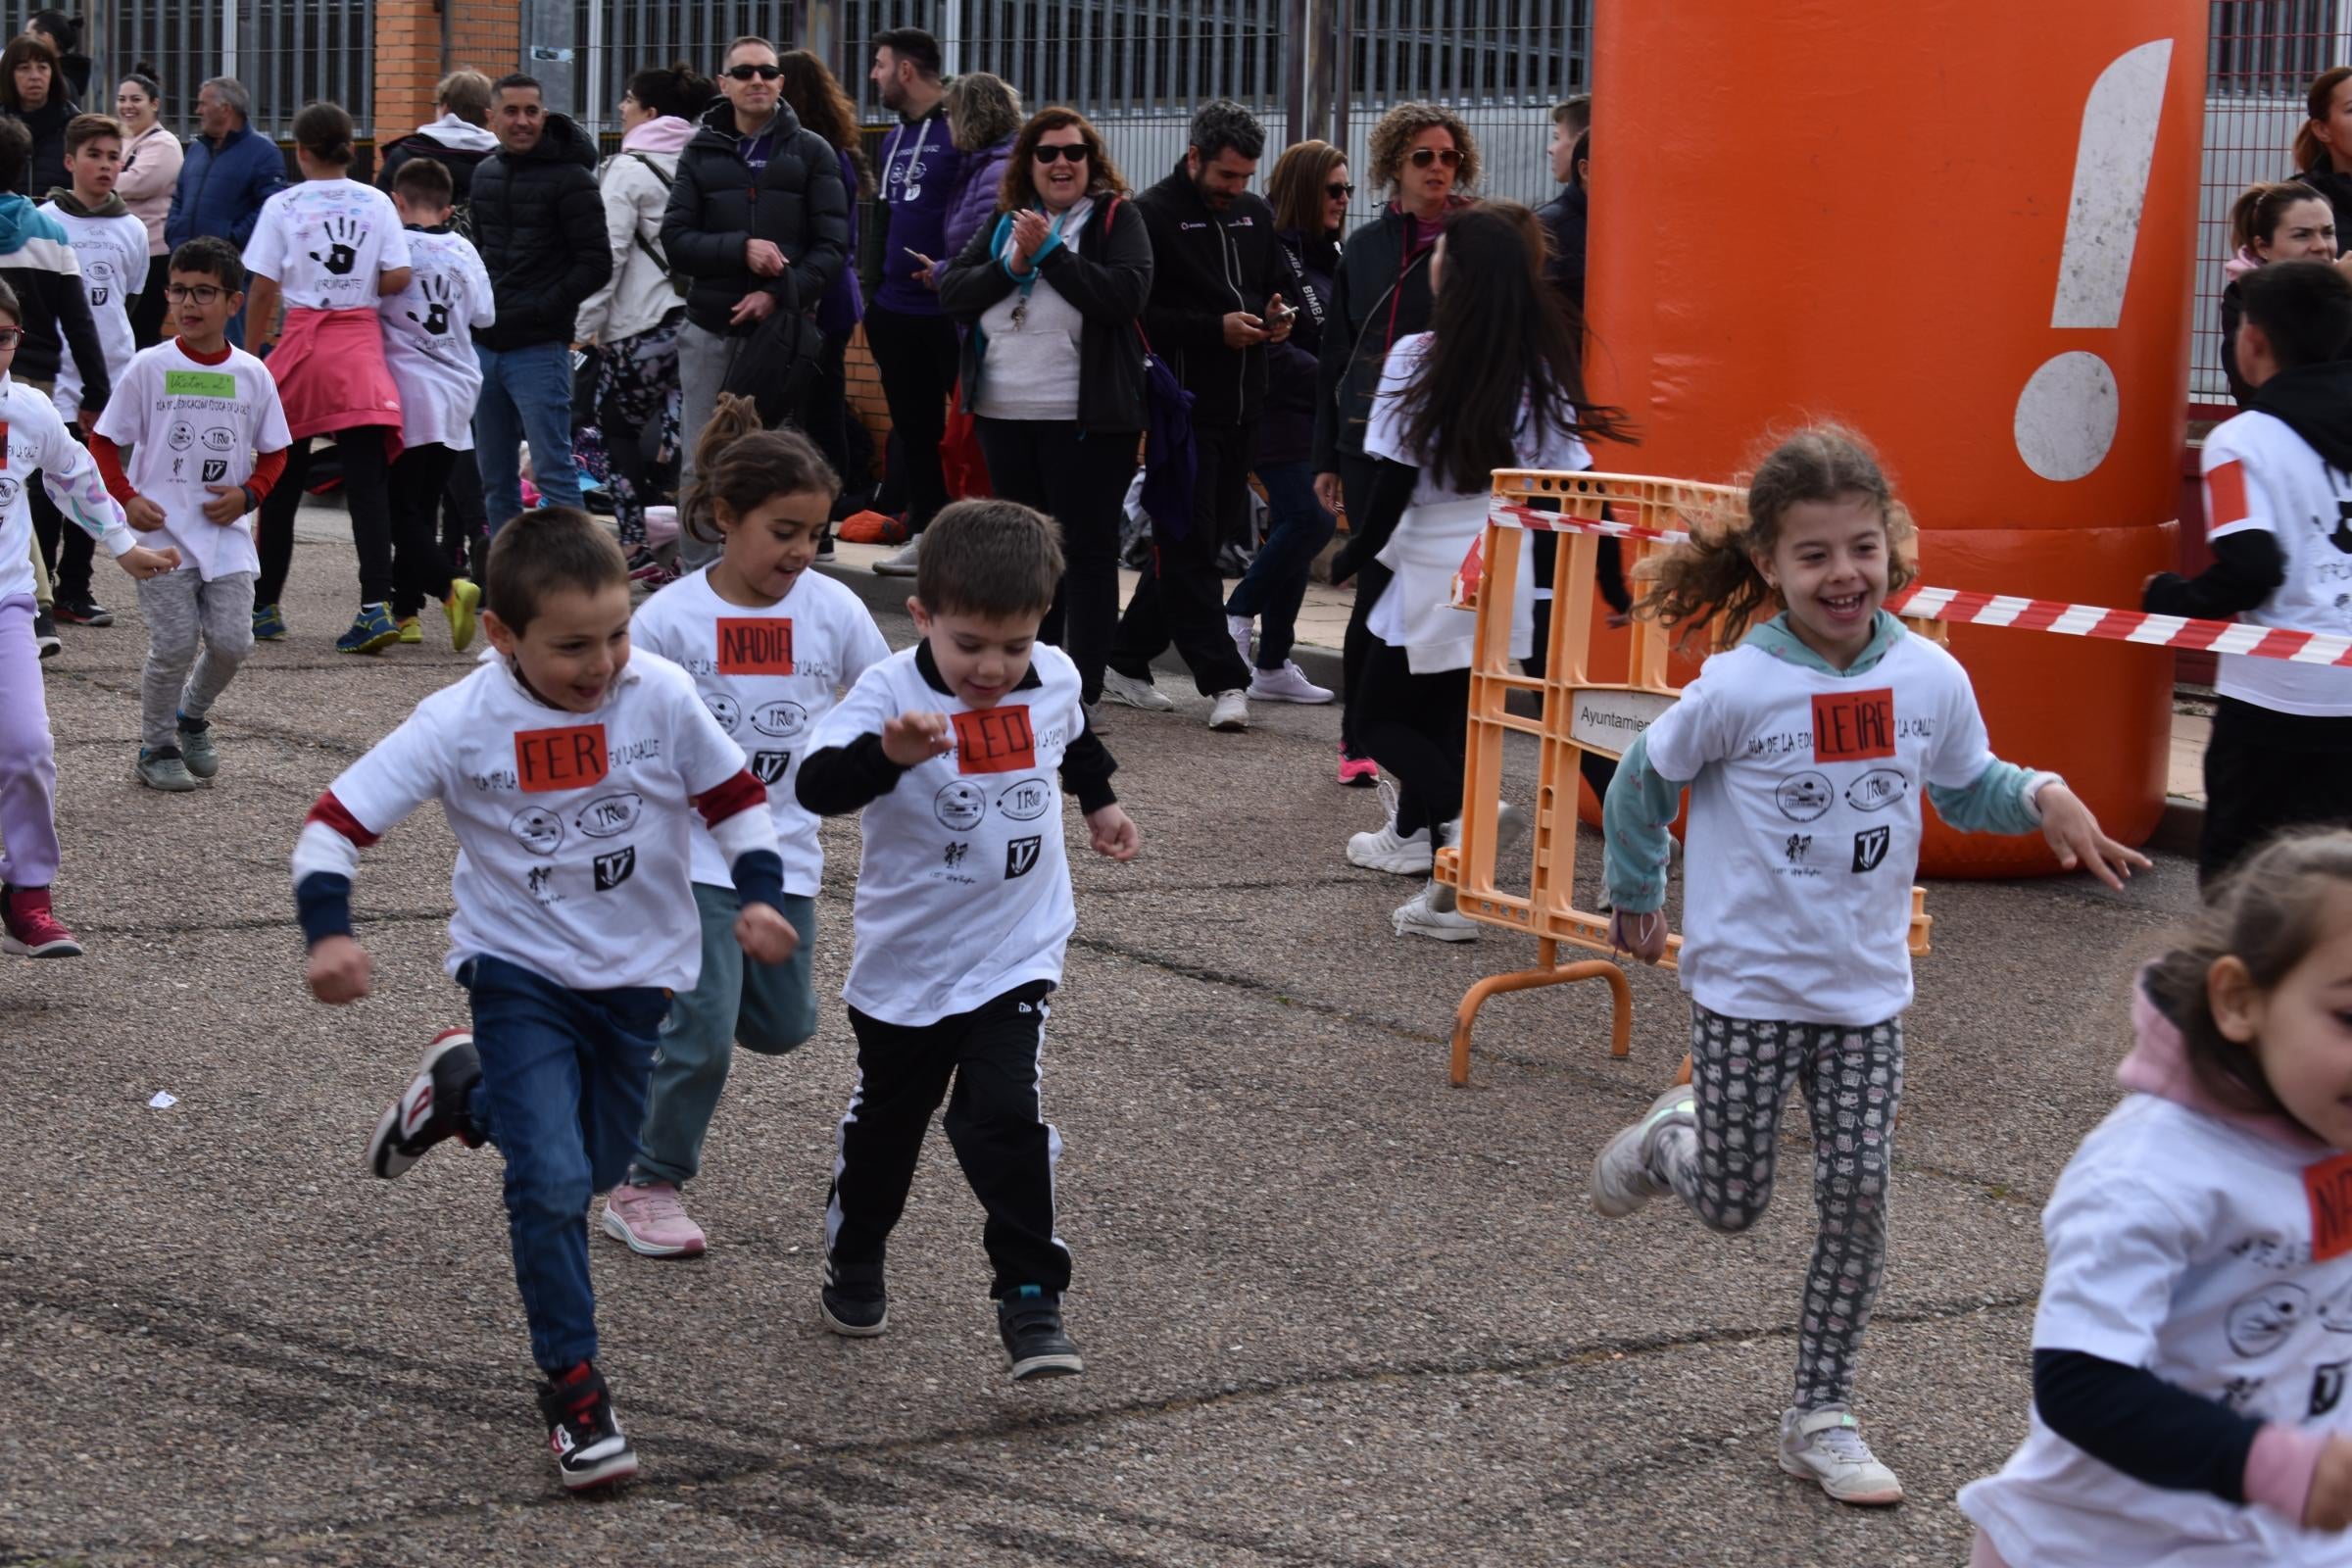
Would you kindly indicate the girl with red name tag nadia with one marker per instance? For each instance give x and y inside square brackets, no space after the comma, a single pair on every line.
[2195,1330]
[770,644]
[1805,749]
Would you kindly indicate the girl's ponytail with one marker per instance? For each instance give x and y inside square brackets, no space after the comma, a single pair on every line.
[740,462]
[732,418]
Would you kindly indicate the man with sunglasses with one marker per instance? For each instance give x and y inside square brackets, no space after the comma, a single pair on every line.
[759,221]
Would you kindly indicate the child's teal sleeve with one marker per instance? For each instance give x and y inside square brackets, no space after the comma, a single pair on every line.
[1634,819]
[1998,802]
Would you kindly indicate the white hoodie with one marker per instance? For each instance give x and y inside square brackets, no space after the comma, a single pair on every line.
[638,295]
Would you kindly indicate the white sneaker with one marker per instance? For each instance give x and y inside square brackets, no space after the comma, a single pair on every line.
[1826,1446]
[1231,712]
[1422,916]
[1624,1178]
[1241,629]
[1289,684]
[1118,688]
[901,564]
[1404,854]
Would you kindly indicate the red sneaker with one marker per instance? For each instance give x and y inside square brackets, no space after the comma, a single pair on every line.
[28,928]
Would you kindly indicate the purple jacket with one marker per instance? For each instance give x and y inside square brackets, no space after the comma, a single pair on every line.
[843,305]
[974,204]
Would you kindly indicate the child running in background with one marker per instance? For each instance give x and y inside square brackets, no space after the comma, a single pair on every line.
[208,443]
[2277,494]
[1806,749]
[2189,1353]
[34,437]
[770,644]
[570,773]
[429,347]
[960,933]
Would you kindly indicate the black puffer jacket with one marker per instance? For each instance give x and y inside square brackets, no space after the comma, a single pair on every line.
[797,203]
[539,221]
[47,165]
[1106,283]
[1206,265]
[1380,295]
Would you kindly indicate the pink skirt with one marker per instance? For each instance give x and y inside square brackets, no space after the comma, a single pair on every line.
[330,372]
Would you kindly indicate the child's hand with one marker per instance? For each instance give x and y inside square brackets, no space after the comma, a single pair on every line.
[142,562]
[2076,835]
[227,504]
[1113,833]
[338,971]
[2329,1505]
[765,934]
[1640,936]
[913,739]
[142,514]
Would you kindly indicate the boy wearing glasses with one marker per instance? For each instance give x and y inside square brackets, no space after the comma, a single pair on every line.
[207,440]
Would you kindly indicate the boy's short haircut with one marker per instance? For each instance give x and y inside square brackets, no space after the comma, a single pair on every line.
[2304,307]
[212,256]
[545,551]
[1575,111]
[997,560]
[16,151]
[89,127]
[425,182]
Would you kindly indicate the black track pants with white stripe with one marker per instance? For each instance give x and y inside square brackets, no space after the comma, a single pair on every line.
[985,1064]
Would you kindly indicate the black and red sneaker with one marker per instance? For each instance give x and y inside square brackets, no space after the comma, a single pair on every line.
[431,1108]
[582,1432]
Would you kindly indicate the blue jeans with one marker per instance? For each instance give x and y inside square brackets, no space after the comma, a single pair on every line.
[1276,583]
[769,1007]
[563,1094]
[527,396]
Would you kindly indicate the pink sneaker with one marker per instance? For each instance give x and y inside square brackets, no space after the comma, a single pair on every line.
[652,1220]
[1357,772]
[28,928]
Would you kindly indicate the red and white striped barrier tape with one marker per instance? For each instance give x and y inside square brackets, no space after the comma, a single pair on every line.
[1963,607]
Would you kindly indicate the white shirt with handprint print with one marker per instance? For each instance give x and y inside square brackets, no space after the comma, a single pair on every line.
[428,339]
[325,241]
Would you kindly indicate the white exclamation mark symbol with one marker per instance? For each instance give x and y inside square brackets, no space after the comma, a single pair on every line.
[2066,415]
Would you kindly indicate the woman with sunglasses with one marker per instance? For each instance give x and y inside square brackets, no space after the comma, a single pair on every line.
[1423,158]
[1308,191]
[1054,365]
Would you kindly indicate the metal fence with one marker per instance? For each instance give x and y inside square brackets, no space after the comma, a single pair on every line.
[286,52]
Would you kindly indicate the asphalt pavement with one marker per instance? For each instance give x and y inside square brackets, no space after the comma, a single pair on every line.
[1334,1312]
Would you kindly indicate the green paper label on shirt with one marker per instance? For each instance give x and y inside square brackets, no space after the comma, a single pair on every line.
[199,384]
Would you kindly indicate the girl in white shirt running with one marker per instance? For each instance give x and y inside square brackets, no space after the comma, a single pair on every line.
[1805,749]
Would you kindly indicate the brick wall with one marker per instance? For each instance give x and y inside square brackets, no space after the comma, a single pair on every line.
[484,37]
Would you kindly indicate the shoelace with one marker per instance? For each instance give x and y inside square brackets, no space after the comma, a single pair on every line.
[1846,1445]
[1391,799]
[661,1204]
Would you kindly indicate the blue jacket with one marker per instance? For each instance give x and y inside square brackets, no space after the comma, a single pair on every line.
[222,189]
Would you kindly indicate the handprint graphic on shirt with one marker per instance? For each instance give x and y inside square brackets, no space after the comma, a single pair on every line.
[438,290]
[343,234]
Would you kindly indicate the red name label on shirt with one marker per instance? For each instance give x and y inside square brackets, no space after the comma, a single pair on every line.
[995,740]
[1853,726]
[2328,1186]
[568,759]
[2226,497]
[754,646]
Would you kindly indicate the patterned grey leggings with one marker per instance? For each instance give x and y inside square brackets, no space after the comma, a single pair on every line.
[1742,1069]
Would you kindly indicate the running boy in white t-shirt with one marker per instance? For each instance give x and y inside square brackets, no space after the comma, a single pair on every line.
[206,442]
[2279,518]
[571,774]
[110,244]
[429,347]
[963,913]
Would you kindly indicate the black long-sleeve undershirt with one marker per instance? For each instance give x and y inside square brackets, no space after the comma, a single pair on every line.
[2150,1430]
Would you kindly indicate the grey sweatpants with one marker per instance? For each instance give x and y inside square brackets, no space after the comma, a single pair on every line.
[1741,1070]
[198,633]
[703,361]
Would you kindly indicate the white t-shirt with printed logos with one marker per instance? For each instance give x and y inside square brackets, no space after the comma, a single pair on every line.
[963,887]
[574,829]
[113,254]
[2262,477]
[1805,796]
[35,449]
[768,676]
[189,424]
[2184,1244]
[428,339]
[325,241]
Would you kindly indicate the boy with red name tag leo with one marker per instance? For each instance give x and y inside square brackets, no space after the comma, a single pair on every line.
[963,913]
[572,774]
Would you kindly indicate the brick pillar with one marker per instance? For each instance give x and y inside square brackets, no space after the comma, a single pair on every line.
[407,62]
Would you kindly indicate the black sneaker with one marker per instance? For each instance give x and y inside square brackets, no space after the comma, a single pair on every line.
[582,1433]
[1035,1347]
[82,611]
[44,634]
[431,1108]
[854,1301]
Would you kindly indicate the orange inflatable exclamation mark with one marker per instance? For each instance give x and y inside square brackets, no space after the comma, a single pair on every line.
[2067,414]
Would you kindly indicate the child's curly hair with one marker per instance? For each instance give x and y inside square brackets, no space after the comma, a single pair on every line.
[1714,577]
[1394,136]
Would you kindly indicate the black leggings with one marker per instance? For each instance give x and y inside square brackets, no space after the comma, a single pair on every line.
[1371,580]
[1079,478]
[366,491]
[1417,728]
[419,569]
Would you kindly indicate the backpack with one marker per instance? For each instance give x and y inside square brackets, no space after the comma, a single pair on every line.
[679,283]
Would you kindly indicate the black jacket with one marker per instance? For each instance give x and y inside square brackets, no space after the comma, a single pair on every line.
[1380,295]
[1565,218]
[1206,265]
[1107,282]
[539,221]
[1286,431]
[47,165]
[460,162]
[2336,190]
[797,203]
